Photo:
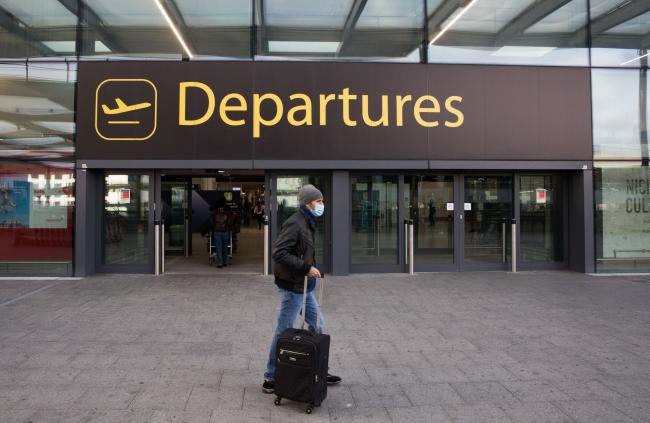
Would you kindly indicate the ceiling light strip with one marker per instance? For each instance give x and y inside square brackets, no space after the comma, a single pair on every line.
[453,21]
[635,59]
[174,30]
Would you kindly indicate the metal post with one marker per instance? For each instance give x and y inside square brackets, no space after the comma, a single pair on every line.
[267,242]
[406,241]
[503,241]
[514,245]
[162,247]
[156,247]
[187,237]
[411,258]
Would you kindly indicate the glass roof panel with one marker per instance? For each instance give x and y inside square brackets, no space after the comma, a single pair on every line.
[489,16]
[637,26]
[601,7]
[312,14]
[215,13]
[40,13]
[432,5]
[567,19]
[392,14]
[127,12]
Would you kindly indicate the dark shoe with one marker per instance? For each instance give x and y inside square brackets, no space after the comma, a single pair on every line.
[268,387]
[219,266]
[333,380]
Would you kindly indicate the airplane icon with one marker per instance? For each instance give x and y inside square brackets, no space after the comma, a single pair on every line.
[122,107]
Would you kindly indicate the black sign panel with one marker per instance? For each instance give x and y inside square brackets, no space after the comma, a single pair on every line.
[331,111]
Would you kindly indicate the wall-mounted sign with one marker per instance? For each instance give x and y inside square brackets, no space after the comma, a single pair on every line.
[304,110]
[540,196]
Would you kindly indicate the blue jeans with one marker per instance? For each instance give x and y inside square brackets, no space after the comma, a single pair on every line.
[221,240]
[291,304]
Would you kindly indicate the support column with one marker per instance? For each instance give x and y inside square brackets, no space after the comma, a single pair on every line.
[341,225]
[581,222]
[85,238]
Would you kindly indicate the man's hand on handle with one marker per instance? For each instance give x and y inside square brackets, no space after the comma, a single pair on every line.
[314,273]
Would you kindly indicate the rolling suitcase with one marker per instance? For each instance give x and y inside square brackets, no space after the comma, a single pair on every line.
[302,360]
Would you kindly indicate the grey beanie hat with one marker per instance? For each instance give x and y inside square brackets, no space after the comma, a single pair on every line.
[308,193]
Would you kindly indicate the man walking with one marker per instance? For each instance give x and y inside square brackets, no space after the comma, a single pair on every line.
[221,225]
[294,257]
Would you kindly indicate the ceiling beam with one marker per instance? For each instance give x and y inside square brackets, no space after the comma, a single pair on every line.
[530,16]
[350,23]
[14,26]
[441,14]
[88,17]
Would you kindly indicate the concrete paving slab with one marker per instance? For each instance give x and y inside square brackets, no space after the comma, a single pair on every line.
[457,346]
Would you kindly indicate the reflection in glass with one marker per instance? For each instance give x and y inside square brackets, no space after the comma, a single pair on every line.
[287,203]
[430,200]
[126,220]
[37,28]
[541,220]
[37,110]
[374,219]
[488,209]
[622,192]
[619,32]
[36,218]
[619,131]
[514,32]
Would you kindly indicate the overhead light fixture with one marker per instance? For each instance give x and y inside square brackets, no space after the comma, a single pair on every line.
[174,30]
[634,60]
[452,22]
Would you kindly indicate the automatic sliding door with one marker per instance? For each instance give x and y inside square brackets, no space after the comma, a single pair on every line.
[126,223]
[375,227]
[487,210]
[541,227]
[430,204]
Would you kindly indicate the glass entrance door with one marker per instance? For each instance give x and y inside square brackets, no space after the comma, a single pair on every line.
[429,201]
[126,223]
[175,197]
[487,211]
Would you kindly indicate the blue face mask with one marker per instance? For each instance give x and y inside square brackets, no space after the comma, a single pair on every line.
[319,210]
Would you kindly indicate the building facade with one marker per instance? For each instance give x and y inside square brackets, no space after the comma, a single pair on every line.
[497,128]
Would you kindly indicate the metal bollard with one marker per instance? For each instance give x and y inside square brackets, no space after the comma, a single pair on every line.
[411,252]
[408,244]
[162,247]
[156,247]
[266,245]
[514,245]
[406,240]
[188,237]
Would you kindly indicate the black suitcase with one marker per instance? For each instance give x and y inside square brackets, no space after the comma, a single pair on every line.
[302,359]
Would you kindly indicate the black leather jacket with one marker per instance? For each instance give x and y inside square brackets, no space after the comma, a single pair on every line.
[294,252]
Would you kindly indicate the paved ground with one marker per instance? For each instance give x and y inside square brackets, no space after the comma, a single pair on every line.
[471,347]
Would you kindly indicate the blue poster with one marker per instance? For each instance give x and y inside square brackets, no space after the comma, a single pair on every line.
[14,203]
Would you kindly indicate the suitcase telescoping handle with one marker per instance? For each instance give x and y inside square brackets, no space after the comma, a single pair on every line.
[304,302]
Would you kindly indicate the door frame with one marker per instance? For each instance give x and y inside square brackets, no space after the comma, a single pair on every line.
[154,183]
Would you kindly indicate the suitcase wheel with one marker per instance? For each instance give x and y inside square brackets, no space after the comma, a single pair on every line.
[309,409]
[277,401]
